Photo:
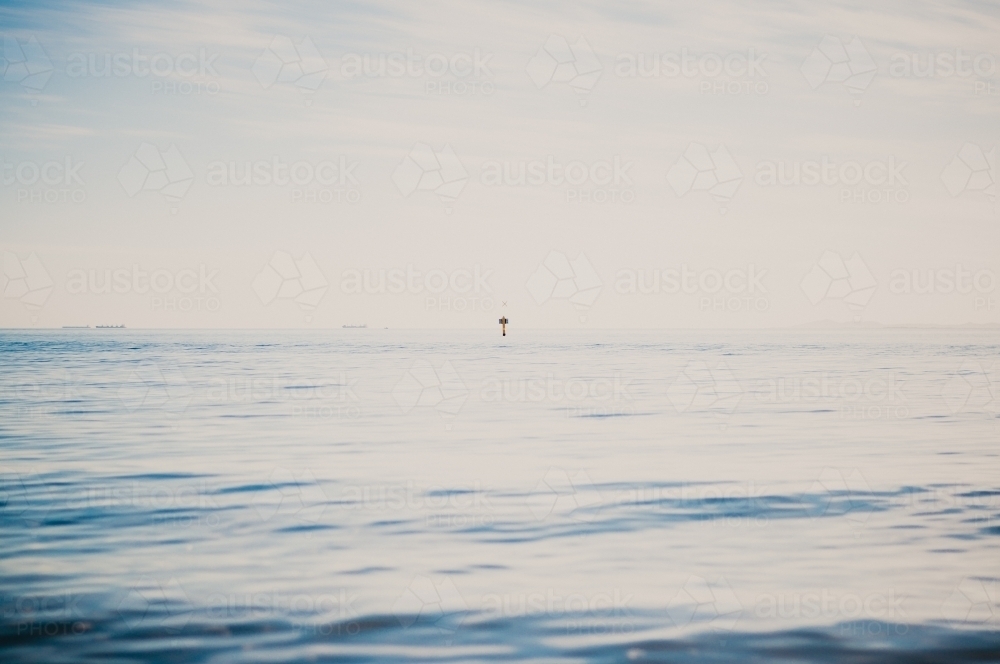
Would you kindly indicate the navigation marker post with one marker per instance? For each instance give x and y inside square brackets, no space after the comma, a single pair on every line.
[503,325]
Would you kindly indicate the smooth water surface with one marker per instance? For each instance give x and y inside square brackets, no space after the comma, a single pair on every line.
[372,495]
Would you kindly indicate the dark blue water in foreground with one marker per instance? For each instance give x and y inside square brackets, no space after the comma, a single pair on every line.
[379,495]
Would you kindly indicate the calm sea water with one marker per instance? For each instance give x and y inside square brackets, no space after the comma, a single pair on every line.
[372,495]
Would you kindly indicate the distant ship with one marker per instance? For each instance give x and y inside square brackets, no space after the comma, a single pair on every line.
[356,327]
[110,327]
[76,327]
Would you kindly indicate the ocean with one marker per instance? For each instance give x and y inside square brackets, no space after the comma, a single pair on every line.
[559,496]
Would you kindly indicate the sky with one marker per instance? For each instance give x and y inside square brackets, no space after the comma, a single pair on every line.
[442,164]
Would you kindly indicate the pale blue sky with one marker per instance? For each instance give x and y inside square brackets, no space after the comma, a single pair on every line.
[219,111]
